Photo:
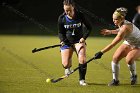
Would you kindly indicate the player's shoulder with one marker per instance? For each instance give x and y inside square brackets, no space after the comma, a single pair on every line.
[79,12]
[137,15]
[127,23]
[61,16]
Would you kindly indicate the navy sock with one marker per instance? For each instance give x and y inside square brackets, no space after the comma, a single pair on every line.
[82,71]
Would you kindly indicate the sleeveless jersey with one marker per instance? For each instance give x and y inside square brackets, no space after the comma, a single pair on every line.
[134,37]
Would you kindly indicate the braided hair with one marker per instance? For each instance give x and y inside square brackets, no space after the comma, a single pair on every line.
[121,12]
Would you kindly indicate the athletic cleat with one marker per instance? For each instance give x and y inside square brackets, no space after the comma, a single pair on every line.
[82,83]
[114,83]
[67,72]
[133,79]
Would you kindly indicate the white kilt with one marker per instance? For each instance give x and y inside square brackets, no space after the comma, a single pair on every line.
[132,45]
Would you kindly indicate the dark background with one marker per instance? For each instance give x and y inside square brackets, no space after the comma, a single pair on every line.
[36,13]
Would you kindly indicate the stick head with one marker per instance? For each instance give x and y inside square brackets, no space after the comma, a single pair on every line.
[53,81]
[59,79]
[34,50]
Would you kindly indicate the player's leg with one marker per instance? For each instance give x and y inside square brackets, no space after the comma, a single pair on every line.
[81,53]
[130,60]
[120,53]
[66,55]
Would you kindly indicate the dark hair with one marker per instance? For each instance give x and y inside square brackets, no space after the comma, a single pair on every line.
[69,2]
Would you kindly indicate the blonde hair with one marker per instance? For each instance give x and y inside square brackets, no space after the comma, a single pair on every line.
[120,12]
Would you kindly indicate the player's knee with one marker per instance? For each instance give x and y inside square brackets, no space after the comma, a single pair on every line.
[82,60]
[129,60]
[65,64]
[116,58]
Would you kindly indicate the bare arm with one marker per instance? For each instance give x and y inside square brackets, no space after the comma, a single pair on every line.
[114,31]
[116,40]
[109,32]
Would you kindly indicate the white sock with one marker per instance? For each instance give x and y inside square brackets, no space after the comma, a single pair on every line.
[115,70]
[132,68]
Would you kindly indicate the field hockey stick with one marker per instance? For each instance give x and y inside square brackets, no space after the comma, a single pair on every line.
[65,76]
[48,47]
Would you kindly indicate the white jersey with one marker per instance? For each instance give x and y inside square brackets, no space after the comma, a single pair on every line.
[133,39]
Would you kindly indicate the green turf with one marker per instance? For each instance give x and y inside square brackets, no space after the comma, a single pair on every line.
[24,72]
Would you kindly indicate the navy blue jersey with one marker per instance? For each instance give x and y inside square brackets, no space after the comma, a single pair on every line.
[136,20]
[71,30]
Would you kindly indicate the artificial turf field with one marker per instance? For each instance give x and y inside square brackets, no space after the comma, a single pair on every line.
[21,71]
